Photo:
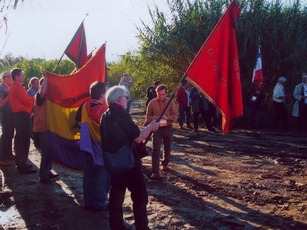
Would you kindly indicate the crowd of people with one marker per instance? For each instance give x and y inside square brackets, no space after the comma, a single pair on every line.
[106,125]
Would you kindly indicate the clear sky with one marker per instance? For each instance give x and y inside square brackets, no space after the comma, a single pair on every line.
[44,28]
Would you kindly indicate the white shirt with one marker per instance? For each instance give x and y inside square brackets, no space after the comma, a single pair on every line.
[278,91]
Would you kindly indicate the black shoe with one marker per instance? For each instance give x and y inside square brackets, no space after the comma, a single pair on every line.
[27,171]
[46,181]
[52,176]
[29,166]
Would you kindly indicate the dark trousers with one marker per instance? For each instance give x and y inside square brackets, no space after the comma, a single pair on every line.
[23,128]
[206,117]
[165,135]
[6,139]
[302,119]
[281,116]
[253,118]
[134,181]
[184,112]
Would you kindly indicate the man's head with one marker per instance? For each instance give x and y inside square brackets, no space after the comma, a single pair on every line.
[282,80]
[34,83]
[118,95]
[7,78]
[17,75]
[161,91]
[185,84]
[156,83]
[304,78]
[98,89]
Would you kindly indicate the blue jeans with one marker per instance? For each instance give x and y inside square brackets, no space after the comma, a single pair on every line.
[96,183]
[6,139]
[182,113]
[45,165]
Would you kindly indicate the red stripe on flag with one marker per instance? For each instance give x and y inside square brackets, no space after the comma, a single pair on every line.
[216,71]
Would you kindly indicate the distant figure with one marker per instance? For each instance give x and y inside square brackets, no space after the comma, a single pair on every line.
[33,86]
[183,99]
[118,129]
[40,129]
[151,94]
[200,107]
[300,105]
[165,132]
[7,121]
[280,117]
[151,91]
[22,106]
[128,84]
[255,99]
[32,91]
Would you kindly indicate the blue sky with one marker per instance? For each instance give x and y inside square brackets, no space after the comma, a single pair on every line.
[43,28]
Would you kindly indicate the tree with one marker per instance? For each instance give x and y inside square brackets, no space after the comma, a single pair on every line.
[4,6]
[173,43]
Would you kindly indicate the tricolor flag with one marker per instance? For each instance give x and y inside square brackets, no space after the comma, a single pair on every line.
[77,48]
[257,73]
[64,96]
[215,70]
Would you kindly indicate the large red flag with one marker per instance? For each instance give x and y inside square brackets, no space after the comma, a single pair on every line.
[77,49]
[257,73]
[215,70]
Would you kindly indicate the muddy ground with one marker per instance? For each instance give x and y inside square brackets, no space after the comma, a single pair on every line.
[244,180]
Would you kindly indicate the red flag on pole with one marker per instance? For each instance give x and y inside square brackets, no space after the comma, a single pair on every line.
[77,49]
[257,73]
[215,70]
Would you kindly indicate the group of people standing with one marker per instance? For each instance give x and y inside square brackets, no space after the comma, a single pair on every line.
[23,112]
[256,99]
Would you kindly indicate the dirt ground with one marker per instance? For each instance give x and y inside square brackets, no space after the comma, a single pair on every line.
[244,180]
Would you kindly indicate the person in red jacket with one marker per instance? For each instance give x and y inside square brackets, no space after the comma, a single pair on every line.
[183,99]
[22,105]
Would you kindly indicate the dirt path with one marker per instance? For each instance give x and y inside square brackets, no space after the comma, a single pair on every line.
[244,180]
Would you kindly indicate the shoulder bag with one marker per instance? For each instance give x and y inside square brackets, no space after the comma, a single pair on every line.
[120,161]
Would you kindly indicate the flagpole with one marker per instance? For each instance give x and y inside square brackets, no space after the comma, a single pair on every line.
[57,64]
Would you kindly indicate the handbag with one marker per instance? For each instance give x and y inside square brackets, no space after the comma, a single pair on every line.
[120,161]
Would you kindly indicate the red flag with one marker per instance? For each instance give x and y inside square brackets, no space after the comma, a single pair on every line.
[77,49]
[215,70]
[73,89]
[257,73]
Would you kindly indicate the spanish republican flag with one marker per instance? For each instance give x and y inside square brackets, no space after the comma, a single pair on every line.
[215,70]
[64,96]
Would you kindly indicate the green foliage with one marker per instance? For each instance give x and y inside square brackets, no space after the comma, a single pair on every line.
[34,67]
[169,46]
